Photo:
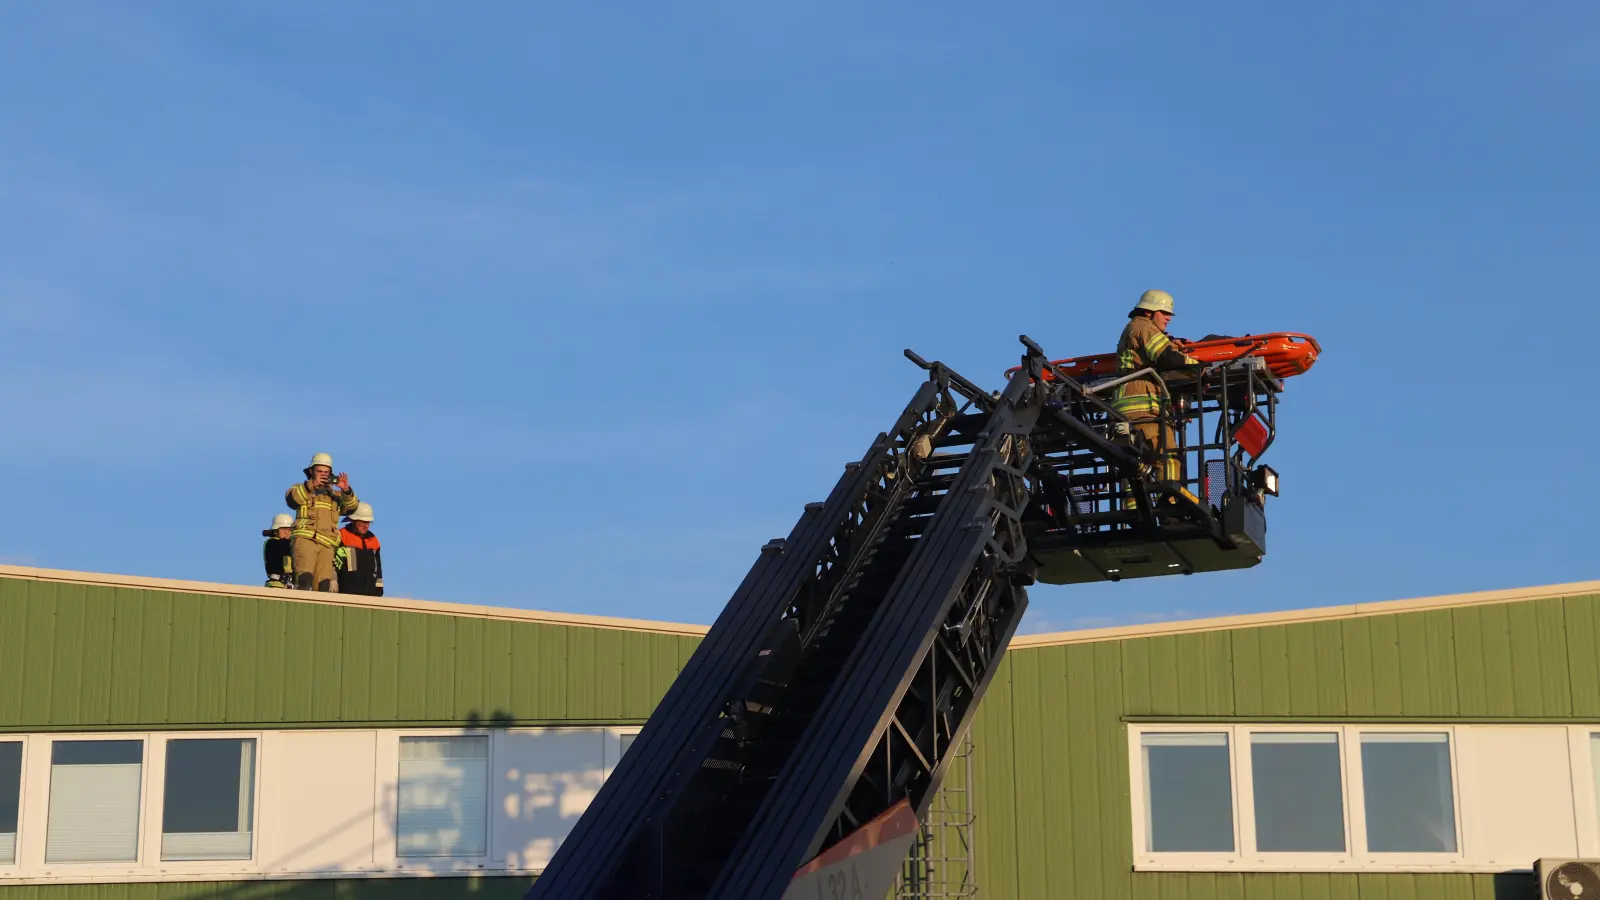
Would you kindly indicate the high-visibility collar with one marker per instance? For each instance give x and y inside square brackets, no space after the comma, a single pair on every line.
[349,538]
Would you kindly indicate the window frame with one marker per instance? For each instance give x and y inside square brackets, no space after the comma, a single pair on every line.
[1583,749]
[267,835]
[613,751]
[37,780]
[1140,788]
[10,869]
[1245,858]
[386,849]
[1355,789]
[1246,791]
[33,818]
[156,821]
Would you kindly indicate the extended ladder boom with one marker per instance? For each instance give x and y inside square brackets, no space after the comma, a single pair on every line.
[814,723]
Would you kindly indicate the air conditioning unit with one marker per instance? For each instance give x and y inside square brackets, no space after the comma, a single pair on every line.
[1568,879]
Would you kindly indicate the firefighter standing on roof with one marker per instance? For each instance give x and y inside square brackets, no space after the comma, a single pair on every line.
[277,551]
[1145,345]
[360,556]
[318,502]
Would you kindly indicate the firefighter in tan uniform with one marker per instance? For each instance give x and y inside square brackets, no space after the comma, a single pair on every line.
[1145,345]
[317,503]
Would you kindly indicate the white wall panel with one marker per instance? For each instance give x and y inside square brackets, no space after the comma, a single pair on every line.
[542,782]
[1518,782]
[319,808]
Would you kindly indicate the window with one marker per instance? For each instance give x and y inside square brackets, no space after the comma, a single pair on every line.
[1479,797]
[1410,803]
[10,799]
[1189,793]
[1594,768]
[293,803]
[209,803]
[443,796]
[94,801]
[1299,792]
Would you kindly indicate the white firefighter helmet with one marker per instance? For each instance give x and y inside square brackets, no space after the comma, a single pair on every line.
[1155,301]
[321,459]
[282,520]
[363,513]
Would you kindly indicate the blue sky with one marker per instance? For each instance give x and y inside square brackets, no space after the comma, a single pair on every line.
[591,301]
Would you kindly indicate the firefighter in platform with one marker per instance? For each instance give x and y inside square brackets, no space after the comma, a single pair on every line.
[318,502]
[360,556]
[1146,345]
[277,552]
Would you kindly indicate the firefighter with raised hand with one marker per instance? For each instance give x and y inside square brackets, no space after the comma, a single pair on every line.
[277,552]
[1145,345]
[360,556]
[318,502]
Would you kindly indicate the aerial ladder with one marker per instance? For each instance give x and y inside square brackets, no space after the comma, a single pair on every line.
[806,736]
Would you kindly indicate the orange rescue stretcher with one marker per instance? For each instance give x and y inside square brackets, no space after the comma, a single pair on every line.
[1287,353]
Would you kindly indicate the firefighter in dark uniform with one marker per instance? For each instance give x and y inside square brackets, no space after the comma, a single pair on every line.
[359,560]
[277,552]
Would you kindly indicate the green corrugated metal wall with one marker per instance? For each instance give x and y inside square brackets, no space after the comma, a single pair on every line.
[83,656]
[1052,756]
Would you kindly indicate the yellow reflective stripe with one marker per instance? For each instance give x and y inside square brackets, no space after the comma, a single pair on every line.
[1157,345]
[1137,403]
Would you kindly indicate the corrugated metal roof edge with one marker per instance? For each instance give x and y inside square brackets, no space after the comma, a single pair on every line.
[352,600]
[1020,642]
[1291,617]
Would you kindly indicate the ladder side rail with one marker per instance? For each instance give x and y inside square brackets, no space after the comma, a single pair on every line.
[1001,482]
[987,582]
[872,529]
[994,649]
[683,826]
[970,656]
[835,755]
[611,820]
[861,701]
[696,697]
[767,856]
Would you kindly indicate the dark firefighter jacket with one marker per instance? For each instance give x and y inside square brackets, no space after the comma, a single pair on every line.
[279,560]
[359,562]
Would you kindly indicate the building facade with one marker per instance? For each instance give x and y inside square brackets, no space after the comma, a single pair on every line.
[163,740]
[1416,749]
[166,739]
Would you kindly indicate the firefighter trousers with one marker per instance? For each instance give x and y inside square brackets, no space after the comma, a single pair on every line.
[1169,467]
[313,565]
[1165,441]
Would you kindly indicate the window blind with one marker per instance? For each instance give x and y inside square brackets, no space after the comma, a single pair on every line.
[10,797]
[443,802]
[94,801]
